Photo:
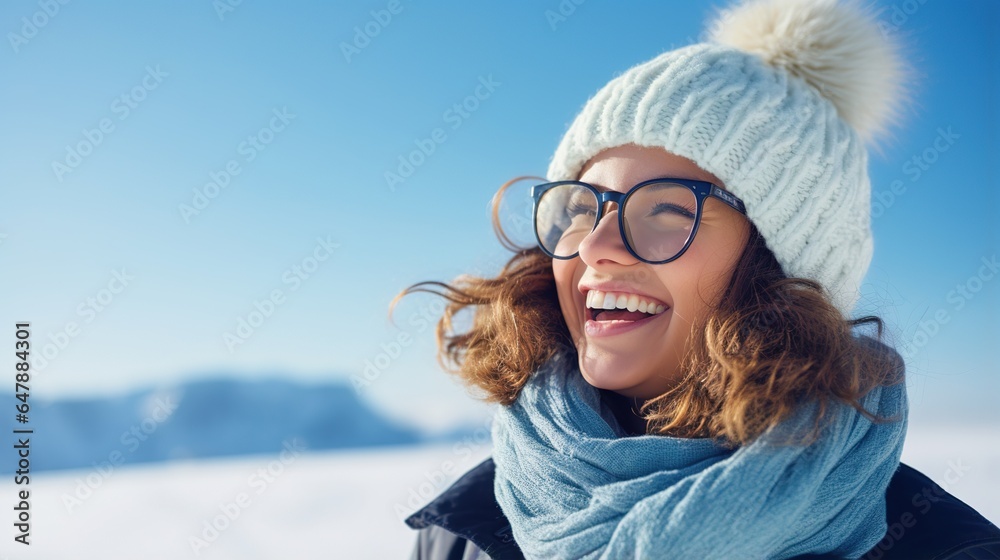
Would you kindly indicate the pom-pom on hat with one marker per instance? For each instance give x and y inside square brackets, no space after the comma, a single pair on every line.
[779,105]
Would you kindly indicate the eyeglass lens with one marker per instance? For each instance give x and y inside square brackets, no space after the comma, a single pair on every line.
[658,219]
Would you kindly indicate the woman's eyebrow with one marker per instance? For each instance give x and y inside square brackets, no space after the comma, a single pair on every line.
[605,189]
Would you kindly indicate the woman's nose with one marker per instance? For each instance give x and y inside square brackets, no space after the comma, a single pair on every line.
[605,242]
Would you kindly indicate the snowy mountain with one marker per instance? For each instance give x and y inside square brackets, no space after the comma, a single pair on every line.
[211,418]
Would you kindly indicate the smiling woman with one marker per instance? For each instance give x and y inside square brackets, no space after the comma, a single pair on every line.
[676,365]
[685,287]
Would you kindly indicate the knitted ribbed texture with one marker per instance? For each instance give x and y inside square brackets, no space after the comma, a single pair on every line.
[771,139]
[573,487]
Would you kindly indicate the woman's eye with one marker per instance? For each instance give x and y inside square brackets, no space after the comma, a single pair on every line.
[576,209]
[672,209]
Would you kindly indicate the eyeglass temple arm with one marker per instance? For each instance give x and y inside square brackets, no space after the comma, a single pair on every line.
[729,198]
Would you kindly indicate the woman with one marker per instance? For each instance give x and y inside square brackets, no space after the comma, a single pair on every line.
[675,368]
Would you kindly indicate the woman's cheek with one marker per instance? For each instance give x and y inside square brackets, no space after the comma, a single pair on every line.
[564,287]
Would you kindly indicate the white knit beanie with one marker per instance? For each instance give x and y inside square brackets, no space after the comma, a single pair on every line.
[779,106]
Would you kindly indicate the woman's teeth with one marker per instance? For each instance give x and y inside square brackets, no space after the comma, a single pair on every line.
[599,300]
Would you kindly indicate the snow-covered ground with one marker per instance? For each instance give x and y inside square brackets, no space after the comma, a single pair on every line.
[329,505]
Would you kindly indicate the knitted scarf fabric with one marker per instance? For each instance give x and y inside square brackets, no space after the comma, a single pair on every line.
[574,486]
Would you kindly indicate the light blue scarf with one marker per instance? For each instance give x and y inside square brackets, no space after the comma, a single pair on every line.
[573,486]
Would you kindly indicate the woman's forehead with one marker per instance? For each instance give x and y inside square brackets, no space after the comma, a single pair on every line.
[622,167]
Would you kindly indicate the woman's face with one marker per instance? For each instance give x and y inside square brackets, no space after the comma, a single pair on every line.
[644,361]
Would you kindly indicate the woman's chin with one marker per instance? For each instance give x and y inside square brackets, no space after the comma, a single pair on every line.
[627,375]
[608,372]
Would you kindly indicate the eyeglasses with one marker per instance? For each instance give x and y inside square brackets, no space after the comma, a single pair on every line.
[657,219]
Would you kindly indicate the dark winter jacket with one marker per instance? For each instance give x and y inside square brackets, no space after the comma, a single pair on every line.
[925,523]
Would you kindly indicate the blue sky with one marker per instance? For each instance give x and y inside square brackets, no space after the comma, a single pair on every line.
[277,139]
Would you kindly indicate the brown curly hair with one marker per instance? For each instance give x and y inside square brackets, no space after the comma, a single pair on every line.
[770,343]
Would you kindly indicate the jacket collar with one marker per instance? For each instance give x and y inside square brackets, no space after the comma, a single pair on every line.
[924,521]
[469,509]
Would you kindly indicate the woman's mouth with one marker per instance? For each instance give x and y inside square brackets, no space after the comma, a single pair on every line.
[611,313]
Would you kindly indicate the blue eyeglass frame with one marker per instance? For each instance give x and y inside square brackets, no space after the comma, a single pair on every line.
[701,190]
